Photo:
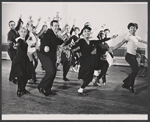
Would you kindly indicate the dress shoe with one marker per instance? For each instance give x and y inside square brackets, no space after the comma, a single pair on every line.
[20,94]
[43,91]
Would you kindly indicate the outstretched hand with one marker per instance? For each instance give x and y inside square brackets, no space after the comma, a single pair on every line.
[30,17]
[39,19]
[114,36]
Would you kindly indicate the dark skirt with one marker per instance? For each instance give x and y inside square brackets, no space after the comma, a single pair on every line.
[22,68]
[99,62]
[87,67]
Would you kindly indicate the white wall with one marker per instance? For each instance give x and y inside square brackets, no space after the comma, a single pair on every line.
[115,16]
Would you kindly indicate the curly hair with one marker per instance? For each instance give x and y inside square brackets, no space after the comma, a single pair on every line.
[132,24]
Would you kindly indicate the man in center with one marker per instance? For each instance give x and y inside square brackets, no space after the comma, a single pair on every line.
[47,56]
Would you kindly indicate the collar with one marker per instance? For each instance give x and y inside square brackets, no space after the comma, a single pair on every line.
[22,38]
[54,32]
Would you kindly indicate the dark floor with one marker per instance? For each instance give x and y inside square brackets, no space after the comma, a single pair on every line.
[109,99]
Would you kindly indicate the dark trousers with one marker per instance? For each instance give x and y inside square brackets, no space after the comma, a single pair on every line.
[86,81]
[104,68]
[66,67]
[131,59]
[11,55]
[50,68]
[22,81]
[32,71]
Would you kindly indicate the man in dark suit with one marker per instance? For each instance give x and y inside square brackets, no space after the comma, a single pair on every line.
[47,56]
[11,36]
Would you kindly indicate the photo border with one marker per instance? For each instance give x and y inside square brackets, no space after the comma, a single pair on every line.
[79,1]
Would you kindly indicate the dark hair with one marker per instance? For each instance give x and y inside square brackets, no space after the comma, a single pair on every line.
[87,24]
[21,22]
[59,29]
[33,27]
[99,34]
[77,28]
[85,27]
[28,24]
[10,22]
[132,24]
[53,22]
[106,29]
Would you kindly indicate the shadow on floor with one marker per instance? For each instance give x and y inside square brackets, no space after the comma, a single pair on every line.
[140,89]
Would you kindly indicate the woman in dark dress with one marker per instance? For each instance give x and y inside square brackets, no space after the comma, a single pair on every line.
[21,63]
[76,51]
[87,59]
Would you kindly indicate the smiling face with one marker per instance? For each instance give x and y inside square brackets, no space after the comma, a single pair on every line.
[12,25]
[132,30]
[107,33]
[22,32]
[86,33]
[101,35]
[55,26]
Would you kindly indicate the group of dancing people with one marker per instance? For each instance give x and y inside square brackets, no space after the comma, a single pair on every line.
[68,46]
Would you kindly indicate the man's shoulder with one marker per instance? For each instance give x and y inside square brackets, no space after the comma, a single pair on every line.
[49,32]
[10,31]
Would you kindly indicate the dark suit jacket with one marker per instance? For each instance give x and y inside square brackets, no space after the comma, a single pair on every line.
[12,35]
[52,41]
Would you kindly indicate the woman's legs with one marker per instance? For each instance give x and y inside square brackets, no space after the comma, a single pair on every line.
[22,81]
[33,72]
[35,59]
[104,69]
[66,67]
[129,81]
